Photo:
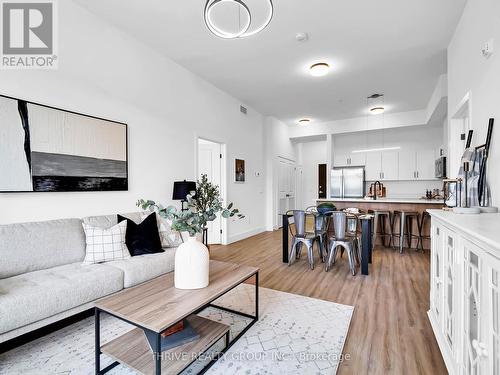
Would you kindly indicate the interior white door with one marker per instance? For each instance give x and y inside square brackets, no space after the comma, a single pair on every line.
[425,164]
[390,165]
[209,163]
[286,187]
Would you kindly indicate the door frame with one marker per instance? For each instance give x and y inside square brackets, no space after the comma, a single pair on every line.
[223,177]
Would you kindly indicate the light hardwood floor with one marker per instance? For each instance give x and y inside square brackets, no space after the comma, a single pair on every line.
[389,333]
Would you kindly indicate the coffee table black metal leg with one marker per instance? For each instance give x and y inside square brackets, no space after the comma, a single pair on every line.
[97,342]
[257,296]
[157,351]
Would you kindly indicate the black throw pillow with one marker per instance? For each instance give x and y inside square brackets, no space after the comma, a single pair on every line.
[142,238]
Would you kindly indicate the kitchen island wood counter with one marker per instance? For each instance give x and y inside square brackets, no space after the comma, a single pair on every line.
[390,204]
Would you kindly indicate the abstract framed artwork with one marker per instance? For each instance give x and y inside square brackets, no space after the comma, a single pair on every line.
[239,170]
[46,149]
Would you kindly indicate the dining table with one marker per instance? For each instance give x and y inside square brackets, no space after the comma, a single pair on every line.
[366,239]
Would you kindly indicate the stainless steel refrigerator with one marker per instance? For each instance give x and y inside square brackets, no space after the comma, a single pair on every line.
[348,182]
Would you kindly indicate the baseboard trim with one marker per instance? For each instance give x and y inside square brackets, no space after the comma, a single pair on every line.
[244,235]
[43,331]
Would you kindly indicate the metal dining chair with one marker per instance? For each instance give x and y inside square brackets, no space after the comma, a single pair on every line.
[340,238]
[320,229]
[301,237]
[353,231]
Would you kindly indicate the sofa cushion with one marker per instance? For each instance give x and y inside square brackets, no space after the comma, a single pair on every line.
[142,268]
[28,247]
[168,236]
[142,238]
[107,221]
[27,298]
[104,245]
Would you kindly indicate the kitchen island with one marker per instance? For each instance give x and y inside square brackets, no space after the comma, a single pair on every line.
[390,204]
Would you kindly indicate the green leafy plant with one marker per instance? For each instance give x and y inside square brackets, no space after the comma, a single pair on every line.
[203,206]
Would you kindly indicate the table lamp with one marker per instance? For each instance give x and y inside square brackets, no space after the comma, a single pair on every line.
[181,190]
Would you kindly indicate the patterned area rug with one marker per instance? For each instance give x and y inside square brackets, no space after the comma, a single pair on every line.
[295,335]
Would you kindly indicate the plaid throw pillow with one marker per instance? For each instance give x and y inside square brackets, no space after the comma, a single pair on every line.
[104,245]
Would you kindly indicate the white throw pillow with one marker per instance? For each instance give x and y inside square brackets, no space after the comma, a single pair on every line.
[168,237]
[105,245]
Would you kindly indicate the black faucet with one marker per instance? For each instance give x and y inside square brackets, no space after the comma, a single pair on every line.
[375,189]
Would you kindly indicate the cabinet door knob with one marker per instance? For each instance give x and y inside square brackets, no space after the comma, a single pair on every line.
[480,348]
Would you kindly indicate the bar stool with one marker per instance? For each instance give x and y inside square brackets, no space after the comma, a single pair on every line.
[405,227]
[423,219]
[381,217]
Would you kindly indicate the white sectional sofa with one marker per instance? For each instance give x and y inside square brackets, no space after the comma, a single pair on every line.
[43,280]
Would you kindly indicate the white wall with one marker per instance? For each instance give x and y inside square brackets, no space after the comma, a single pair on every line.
[468,71]
[277,143]
[106,73]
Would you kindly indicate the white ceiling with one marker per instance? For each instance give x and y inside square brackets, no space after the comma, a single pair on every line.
[397,47]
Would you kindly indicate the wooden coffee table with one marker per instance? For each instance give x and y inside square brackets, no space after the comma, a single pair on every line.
[157,305]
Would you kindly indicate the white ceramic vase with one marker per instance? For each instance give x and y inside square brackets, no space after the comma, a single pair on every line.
[191,265]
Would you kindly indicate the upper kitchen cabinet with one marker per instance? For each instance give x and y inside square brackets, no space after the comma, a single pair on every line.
[425,164]
[381,166]
[416,165]
[349,159]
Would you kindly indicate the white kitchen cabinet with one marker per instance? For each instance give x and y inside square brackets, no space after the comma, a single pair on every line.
[349,159]
[464,299]
[407,165]
[340,160]
[390,165]
[373,166]
[381,166]
[474,311]
[493,313]
[357,159]
[416,165]
[425,164]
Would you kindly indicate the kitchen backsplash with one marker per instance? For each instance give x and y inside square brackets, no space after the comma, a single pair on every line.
[408,189]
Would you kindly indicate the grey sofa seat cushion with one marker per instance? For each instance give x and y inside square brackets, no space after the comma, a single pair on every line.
[107,221]
[142,268]
[28,247]
[33,296]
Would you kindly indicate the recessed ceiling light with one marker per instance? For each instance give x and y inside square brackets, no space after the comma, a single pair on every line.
[377,110]
[304,121]
[319,69]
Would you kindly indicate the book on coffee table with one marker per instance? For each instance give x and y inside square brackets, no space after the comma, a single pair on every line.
[187,334]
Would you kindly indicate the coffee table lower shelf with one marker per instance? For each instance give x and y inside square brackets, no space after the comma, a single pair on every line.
[132,349]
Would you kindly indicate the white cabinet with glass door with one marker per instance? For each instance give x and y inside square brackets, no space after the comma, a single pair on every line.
[464,299]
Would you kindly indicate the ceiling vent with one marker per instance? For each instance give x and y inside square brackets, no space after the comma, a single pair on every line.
[243,110]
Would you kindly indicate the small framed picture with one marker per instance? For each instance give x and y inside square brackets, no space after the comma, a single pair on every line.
[239,170]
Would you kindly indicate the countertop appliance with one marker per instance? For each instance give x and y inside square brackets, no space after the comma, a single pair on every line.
[440,167]
[348,182]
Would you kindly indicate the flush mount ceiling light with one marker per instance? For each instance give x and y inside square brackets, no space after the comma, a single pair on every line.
[304,121]
[377,110]
[319,69]
[243,18]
